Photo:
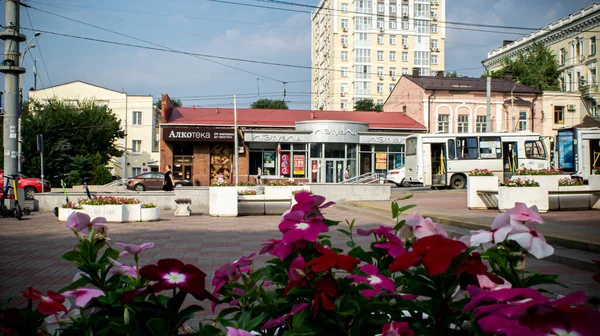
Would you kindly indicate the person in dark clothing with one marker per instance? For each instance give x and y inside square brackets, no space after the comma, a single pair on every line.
[168,182]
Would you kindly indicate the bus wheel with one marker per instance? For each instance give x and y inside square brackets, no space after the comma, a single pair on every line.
[458,182]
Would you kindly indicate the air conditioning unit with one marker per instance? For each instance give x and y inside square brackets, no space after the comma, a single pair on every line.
[241,149]
[434,2]
[405,46]
[571,107]
[381,30]
[345,29]
[435,18]
[437,49]
[343,94]
[380,77]
[405,15]
[394,78]
[344,45]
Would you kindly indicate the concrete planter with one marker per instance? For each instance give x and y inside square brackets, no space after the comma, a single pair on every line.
[508,196]
[149,214]
[258,189]
[223,201]
[132,212]
[251,204]
[113,213]
[574,201]
[182,210]
[594,184]
[477,183]
[282,192]
[64,213]
[547,181]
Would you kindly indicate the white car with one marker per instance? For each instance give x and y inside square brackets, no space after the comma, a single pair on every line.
[397,176]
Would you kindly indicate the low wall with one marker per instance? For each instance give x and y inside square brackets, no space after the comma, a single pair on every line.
[353,192]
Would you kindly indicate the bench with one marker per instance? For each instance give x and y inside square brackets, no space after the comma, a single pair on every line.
[262,205]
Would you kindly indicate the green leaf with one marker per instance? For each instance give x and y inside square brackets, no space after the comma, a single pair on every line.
[157,327]
[406,207]
[71,255]
[403,198]
[399,225]
[299,318]
[395,210]
[361,254]
[77,284]
[253,323]
[345,232]
[208,330]
[350,244]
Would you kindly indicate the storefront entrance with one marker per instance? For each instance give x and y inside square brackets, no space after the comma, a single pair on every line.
[333,171]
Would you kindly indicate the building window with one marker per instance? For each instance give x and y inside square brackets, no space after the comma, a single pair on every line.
[405,24]
[393,24]
[392,87]
[392,55]
[404,56]
[433,59]
[380,55]
[344,55]
[592,78]
[392,39]
[135,171]
[434,28]
[405,71]
[380,23]
[344,104]
[136,146]
[380,87]
[405,10]
[344,39]
[393,72]
[559,114]
[379,71]
[422,11]
[344,71]
[380,7]
[522,120]
[344,7]
[463,124]
[592,45]
[480,125]
[345,23]
[434,44]
[421,58]
[393,8]
[405,41]
[563,56]
[443,123]
[379,39]
[344,87]
[422,27]
[137,118]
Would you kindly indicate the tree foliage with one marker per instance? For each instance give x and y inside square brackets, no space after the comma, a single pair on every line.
[175,102]
[78,139]
[269,104]
[535,67]
[367,104]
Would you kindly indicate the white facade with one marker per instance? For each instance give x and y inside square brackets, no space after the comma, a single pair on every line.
[139,118]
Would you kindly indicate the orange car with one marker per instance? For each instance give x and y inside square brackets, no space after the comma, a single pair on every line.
[31,185]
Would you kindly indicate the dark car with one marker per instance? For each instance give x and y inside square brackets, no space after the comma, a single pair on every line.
[153,181]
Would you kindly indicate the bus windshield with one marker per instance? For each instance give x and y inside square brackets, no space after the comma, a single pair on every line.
[535,150]
[411,146]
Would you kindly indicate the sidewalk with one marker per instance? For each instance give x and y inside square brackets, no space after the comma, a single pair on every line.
[572,229]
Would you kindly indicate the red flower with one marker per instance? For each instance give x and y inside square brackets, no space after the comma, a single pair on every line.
[327,288]
[50,304]
[331,259]
[172,273]
[296,274]
[435,252]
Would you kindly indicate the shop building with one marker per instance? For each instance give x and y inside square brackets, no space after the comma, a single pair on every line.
[310,146]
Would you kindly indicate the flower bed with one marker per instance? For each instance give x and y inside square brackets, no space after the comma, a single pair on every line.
[538,172]
[547,178]
[568,182]
[114,209]
[247,192]
[67,209]
[480,172]
[149,212]
[313,287]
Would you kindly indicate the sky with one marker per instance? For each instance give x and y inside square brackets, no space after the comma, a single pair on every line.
[219,29]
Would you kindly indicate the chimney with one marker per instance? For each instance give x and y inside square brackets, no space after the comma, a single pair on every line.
[415,72]
[508,75]
[506,42]
[440,74]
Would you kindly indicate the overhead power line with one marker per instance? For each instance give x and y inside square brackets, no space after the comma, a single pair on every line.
[39,48]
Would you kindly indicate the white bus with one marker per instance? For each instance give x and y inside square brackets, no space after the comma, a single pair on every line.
[578,151]
[441,160]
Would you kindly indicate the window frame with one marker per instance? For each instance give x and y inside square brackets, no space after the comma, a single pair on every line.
[139,149]
[460,124]
[498,148]
[561,113]
[478,123]
[539,145]
[467,147]
[523,121]
[441,122]
[136,121]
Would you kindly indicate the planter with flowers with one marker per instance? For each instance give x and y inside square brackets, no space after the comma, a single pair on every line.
[250,202]
[149,212]
[408,279]
[547,178]
[481,180]
[132,209]
[524,191]
[572,200]
[182,207]
[282,189]
[244,186]
[67,209]
[108,207]
[223,198]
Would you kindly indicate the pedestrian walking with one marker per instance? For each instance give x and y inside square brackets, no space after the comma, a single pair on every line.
[347,174]
[258,174]
[168,182]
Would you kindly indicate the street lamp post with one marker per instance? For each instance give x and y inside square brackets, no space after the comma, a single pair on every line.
[28,47]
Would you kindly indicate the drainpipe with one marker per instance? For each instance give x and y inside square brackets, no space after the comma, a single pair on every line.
[533,113]
[429,111]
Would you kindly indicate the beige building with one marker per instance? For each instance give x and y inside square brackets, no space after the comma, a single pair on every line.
[573,40]
[360,49]
[139,118]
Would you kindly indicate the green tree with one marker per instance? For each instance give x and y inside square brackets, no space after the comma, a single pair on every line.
[75,138]
[100,174]
[535,67]
[367,104]
[452,74]
[269,104]
[175,102]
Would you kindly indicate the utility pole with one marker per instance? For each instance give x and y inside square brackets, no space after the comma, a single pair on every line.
[35,74]
[488,118]
[235,139]
[11,69]
[258,87]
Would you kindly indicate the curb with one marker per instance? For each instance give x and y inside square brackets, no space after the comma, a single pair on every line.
[568,252]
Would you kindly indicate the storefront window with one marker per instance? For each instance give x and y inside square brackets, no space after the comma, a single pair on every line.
[263,155]
[335,150]
[396,156]
[316,150]
[351,164]
[183,149]
[299,160]
[182,167]
[352,151]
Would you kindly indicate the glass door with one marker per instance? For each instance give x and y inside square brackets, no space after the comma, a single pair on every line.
[315,171]
[339,171]
[333,171]
[329,171]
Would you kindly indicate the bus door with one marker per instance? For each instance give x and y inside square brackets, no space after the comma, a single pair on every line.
[510,159]
[438,164]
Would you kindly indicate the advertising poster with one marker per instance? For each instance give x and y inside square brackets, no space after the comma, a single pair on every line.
[284,164]
[298,164]
[269,159]
[565,151]
[380,160]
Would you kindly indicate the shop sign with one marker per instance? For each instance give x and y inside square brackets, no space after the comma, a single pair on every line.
[197,134]
[299,164]
[380,160]
[284,164]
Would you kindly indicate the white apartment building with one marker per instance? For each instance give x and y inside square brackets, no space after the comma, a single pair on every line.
[573,41]
[139,118]
[360,49]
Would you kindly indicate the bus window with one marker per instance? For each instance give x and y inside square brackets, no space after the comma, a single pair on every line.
[411,146]
[466,148]
[535,150]
[490,148]
[451,149]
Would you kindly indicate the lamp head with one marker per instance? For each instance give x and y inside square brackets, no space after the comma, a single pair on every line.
[37,34]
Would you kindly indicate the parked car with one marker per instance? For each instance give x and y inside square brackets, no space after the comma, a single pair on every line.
[153,181]
[30,185]
[397,176]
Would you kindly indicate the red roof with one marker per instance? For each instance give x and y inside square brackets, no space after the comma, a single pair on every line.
[288,118]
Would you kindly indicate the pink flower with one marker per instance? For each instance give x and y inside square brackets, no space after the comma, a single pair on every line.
[295,227]
[376,280]
[84,295]
[281,320]
[50,304]
[229,273]
[278,248]
[413,219]
[134,249]
[500,229]
[172,273]
[427,228]
[396,329]
[377,232]
[296,274]
[81,222]
[309,204]
[119,268]
[522,213]
[486,283]
[530,239]
[393,245]
[237,332]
